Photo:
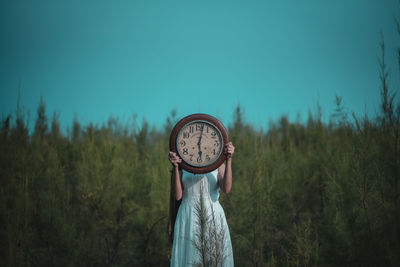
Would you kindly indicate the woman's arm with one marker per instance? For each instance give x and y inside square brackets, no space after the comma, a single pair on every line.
[225,170]
[175,160]
[177,183]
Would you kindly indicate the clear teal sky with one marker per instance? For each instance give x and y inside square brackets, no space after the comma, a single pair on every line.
[274,57]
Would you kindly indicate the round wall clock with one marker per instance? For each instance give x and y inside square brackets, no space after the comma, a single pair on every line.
[199,140]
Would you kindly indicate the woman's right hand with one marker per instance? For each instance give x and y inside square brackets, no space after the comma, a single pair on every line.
[174,159]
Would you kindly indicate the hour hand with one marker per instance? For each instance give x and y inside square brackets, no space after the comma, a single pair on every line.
[199,145]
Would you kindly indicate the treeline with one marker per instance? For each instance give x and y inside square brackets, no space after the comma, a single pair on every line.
[310,194]
[97,197]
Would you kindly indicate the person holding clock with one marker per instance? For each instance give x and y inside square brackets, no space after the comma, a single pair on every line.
[187,190]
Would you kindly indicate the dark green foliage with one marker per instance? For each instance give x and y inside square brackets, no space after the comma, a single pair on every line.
[303,195]
[96,199]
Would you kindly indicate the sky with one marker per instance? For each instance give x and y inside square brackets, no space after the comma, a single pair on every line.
[95,59]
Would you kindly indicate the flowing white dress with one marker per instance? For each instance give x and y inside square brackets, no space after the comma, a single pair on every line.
[187,249]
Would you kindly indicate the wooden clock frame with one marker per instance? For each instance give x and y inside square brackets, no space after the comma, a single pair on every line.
[199,117]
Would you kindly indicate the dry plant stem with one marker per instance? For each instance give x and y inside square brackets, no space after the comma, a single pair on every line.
[210,236]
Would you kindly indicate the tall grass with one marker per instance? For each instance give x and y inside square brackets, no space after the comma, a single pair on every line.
[303,195]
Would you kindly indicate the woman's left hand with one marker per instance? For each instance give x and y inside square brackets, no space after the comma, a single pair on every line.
[229,150]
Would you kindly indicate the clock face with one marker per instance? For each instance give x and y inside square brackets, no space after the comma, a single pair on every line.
[199,143]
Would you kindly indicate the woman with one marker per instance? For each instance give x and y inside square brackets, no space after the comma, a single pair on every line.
[186,233]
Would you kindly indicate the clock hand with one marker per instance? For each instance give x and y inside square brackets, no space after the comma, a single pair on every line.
[199,143]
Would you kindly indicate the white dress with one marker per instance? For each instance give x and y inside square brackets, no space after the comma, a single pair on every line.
[188,249]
